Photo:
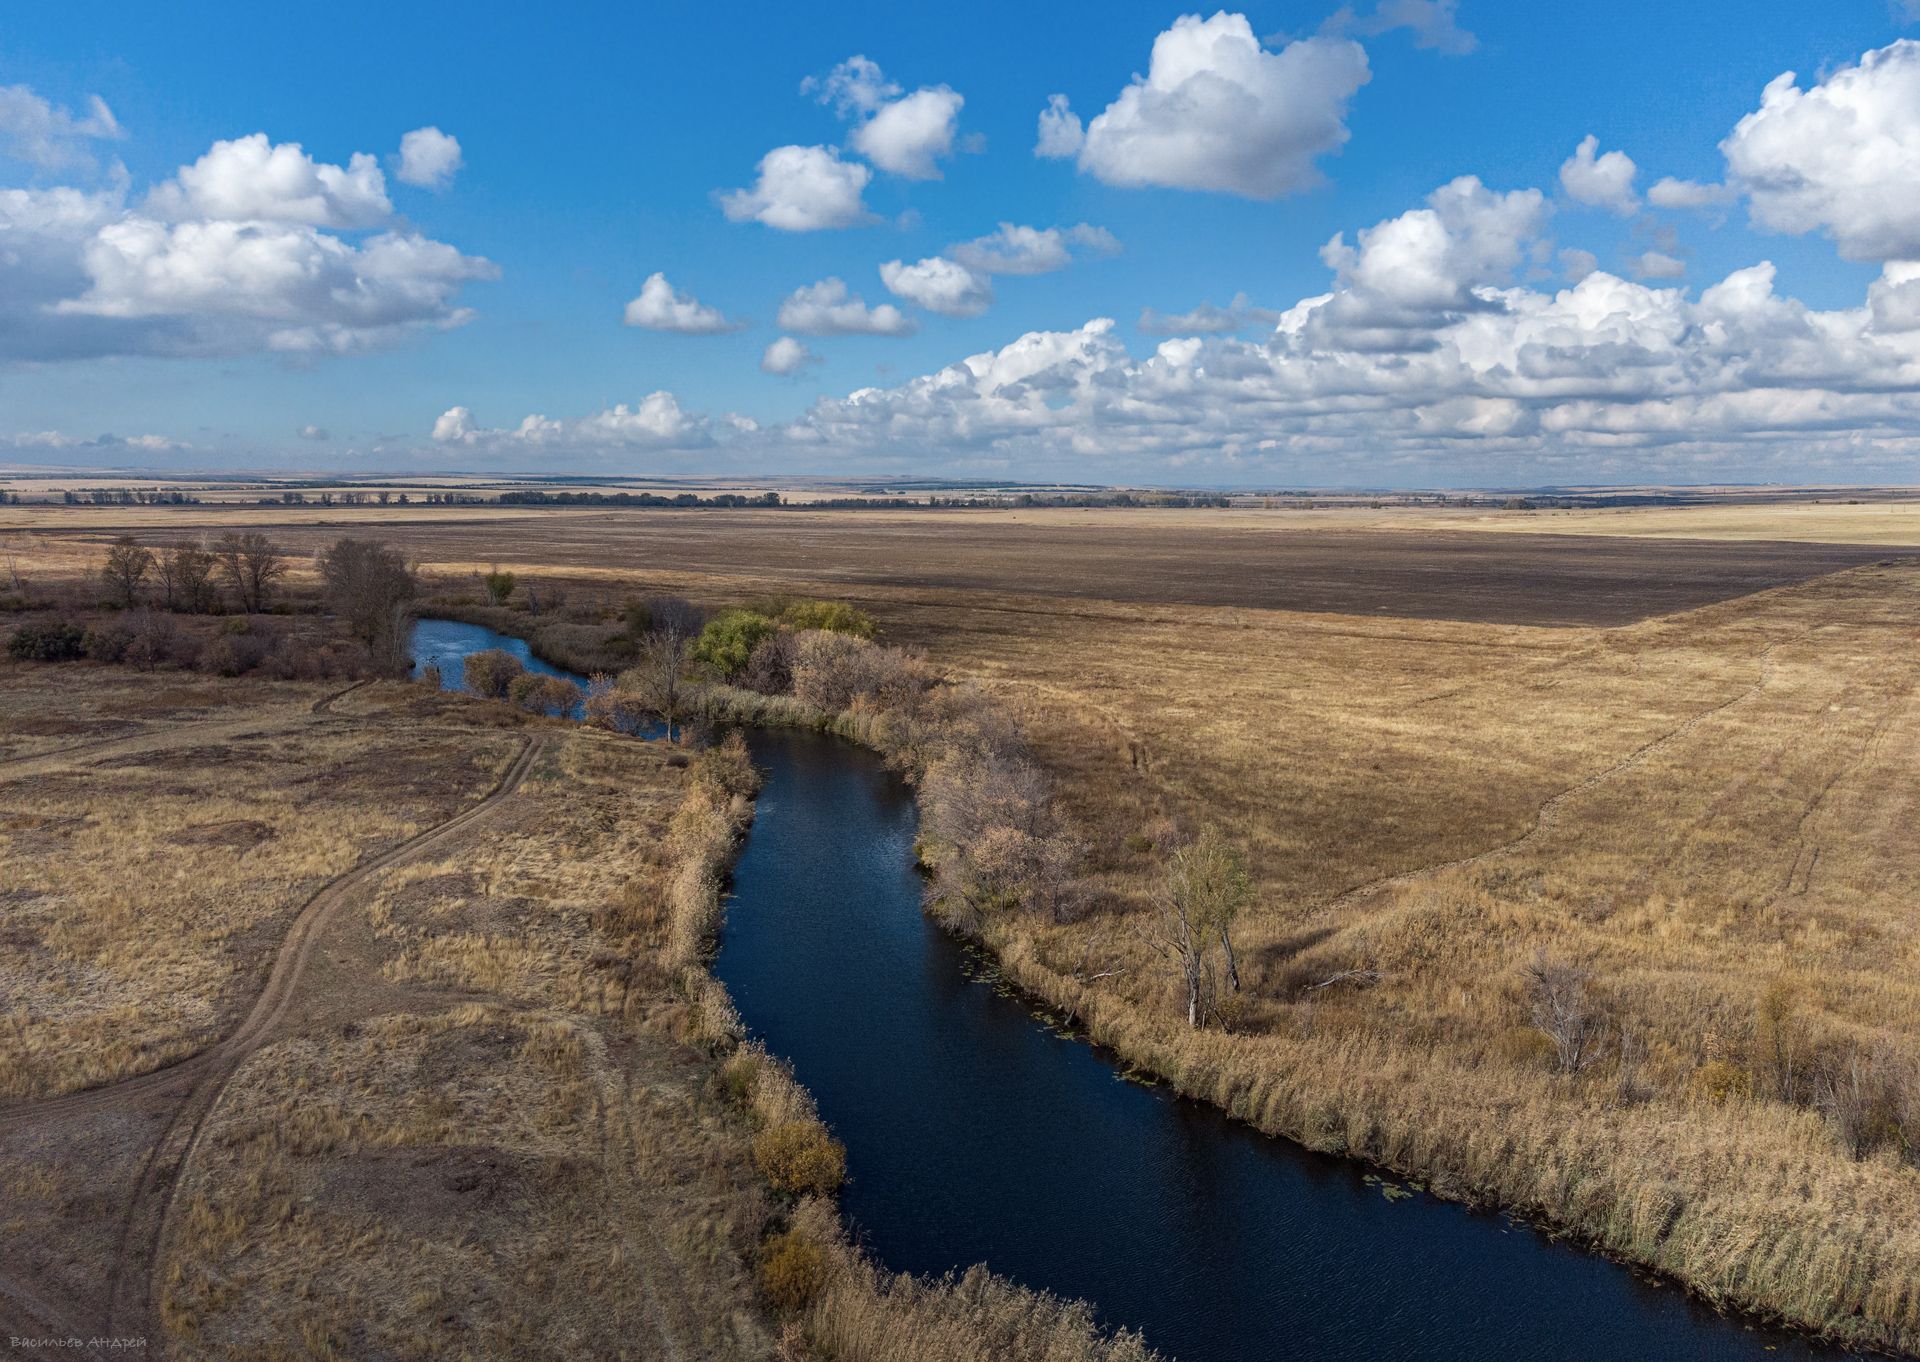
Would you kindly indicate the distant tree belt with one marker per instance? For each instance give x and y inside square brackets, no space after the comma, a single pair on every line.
[735,499]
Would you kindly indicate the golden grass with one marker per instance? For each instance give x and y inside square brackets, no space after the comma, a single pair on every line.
[1692,808]
[148,888]
[536,1173]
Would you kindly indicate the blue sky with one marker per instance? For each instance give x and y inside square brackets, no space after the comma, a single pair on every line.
[595,147]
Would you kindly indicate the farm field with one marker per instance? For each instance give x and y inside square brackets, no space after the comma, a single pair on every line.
[1271,560]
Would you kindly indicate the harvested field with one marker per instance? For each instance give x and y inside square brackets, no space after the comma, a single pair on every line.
[1271,562]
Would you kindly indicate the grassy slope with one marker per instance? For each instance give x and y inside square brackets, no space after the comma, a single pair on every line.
[1697,808]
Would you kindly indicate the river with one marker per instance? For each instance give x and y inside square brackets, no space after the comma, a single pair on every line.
[975,1133]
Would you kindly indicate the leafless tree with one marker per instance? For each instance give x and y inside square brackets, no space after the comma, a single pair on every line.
[152,640]
[371,588]
[657,681]
[126,570]
[186,579]
[1565,1008]
[253,567]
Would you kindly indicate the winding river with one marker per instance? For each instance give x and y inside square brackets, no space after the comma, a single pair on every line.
[975,1133]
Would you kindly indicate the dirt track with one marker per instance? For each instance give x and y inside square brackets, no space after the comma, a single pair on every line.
[177,1098]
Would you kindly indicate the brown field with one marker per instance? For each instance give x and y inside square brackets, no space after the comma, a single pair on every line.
[365,1021]
[1256,560]
[1699,786]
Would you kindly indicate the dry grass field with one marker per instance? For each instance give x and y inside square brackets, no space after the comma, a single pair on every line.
[1683,771]
[153,877]
[1278,560]
[369,1021]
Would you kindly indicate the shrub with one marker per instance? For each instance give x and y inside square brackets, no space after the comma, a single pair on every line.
[740,1077]
[832,671]
[792,1269]
[107,641]
[798,1157]
[1720,1080]
[499,586]
[727,770]
[47,640]
[540,694]
[727,642]
[491,672]
[834,617]
[153,642]
[770,668]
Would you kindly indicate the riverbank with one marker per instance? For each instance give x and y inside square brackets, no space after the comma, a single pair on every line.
[1068,991]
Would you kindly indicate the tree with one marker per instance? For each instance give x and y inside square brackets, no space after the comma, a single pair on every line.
[186,579]
[728,640]
[499,586]
[1565,1008]
[658,678]
[371,587]
[125,570]
[1208,887]
[252,566]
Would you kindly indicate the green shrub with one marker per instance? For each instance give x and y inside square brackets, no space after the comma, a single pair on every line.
[798,1157]
[727,643]
[499,586]
[836,617]
[48,640]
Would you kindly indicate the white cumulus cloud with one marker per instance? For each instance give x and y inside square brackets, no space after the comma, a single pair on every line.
[656,423]
[786,356]
[1602,181]
[1667,192]
[802,189]
[1841,157]
[429,158]
[1014,249]
[1217,111]
[45,135]
[1657,265]
[660,307]
[903,134]
[1060,134]
[241,252]
[939,285]
[827,309]
[252,178]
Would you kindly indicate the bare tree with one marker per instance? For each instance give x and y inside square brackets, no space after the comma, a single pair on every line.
[186,579]
[1565,1008]
[371,588]
[1208,887]
[253,566]
[126,570]
[657,681]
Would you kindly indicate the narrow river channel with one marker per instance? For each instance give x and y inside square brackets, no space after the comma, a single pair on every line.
[975,1133]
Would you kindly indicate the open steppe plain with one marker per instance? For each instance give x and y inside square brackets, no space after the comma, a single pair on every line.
[1686,765]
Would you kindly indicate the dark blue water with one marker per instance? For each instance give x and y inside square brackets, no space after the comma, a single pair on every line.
[976,1134]
[447,644]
